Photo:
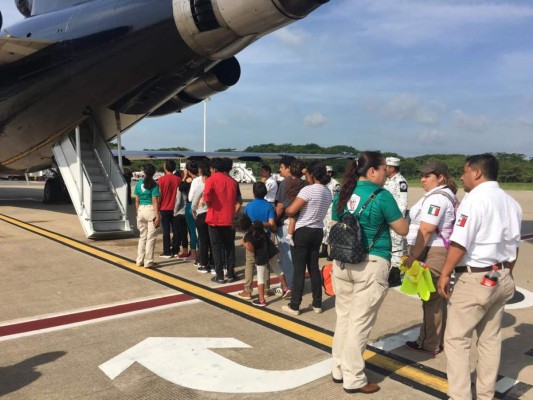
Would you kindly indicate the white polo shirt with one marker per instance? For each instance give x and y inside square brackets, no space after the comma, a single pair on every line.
[435,209]
[488,226]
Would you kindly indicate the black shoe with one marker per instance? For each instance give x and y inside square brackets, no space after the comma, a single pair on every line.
[335,380]
[232,279]
[216,279]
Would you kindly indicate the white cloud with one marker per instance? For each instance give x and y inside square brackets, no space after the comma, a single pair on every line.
[407,106]
[314,120]
[430,136]
[474,123]
[410,22]
[291,37]
[526,121]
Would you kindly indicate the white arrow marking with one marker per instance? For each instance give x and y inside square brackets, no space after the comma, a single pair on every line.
[188,362]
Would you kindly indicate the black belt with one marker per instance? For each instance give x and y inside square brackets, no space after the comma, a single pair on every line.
[462,269]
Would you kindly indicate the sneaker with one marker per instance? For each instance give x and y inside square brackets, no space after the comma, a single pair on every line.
[318,310]
[232,279]
[259,303]
[286,293]
[288,310]
[245,295]
[153,265]
[218,280]
[414,346]
[367,389]
[203,270]
[269,293]
[163,255]
[197,263]
[183,255]
[213,272]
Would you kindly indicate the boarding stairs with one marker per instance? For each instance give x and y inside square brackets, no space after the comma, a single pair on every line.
[94,181]
[241,174]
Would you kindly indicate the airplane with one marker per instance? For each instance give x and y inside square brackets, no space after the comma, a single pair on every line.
[77,74]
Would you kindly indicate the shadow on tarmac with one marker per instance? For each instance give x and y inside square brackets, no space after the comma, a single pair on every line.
[15,377]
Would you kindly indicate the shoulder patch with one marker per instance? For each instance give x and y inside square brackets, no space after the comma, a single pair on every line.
[403,186]
[461,221]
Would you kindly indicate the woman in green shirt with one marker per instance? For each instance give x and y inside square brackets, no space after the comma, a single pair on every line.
[360,288]
[147,206]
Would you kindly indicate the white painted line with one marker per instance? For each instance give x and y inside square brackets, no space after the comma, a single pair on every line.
[504,384]
[527,302]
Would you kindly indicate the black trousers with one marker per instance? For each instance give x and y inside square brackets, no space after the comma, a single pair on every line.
[223,243]
[183,238]
[169,223]
[204,243]
[305,255]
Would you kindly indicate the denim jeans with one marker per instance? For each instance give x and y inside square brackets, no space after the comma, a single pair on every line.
[285,258]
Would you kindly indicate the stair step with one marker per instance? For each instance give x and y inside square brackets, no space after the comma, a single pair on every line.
[111,227]
[106,215]
[103,196]
[93,170]
[98,178]
[91,162]
[104,205]
[100,187]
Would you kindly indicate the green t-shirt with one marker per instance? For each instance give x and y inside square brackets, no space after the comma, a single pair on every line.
[145,195]
[382,208]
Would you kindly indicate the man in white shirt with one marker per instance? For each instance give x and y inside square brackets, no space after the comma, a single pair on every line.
[485,238]
[270,183]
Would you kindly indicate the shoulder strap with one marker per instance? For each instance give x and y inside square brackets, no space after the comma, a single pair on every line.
[367,202]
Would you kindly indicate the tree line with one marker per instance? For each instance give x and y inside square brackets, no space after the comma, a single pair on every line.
[514,167]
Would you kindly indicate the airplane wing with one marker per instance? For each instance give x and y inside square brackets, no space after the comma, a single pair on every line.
[237,155]
[13,49]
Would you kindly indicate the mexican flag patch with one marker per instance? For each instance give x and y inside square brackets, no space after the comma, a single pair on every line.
[434,210]
[461,221]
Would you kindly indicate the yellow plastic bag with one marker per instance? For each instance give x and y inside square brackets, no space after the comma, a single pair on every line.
[417,279]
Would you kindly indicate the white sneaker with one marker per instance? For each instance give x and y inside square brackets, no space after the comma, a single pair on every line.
[318,310]
[288,310]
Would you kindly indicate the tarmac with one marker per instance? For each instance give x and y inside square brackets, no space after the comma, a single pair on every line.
[79,320]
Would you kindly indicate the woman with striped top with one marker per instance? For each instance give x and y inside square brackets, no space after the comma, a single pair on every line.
[312,205]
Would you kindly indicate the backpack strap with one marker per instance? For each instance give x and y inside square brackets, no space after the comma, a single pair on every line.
[382,226]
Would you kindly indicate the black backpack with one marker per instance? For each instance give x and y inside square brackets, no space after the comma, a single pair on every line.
[345,237]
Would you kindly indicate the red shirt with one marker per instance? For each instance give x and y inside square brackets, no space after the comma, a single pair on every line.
[168,186]
[221,193]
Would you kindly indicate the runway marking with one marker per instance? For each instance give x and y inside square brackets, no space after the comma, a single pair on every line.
[527,236]
[398,368]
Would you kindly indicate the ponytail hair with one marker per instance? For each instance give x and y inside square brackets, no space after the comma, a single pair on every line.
[257,230]
[149,172]
[356,169]
[450,184]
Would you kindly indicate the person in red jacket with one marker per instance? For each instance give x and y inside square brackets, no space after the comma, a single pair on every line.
[168,185]
[220,193]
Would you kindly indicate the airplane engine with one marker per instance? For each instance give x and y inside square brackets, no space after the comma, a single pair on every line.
[219,29]
[219,78]
[25,7]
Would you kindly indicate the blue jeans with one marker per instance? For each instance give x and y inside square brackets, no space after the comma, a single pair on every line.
[285,258]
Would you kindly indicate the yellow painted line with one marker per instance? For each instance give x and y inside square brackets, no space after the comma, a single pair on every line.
[324,339]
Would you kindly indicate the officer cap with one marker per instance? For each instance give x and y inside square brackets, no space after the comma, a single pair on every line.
[329,168]
[393,161]
[434,166]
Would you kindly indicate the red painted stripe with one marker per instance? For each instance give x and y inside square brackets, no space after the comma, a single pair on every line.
[82,316]
[527,237]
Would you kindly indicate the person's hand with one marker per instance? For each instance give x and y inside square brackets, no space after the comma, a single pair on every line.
[409,261]
[157,220]
[443,285]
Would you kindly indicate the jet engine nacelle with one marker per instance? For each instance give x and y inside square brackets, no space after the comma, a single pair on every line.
[219,78]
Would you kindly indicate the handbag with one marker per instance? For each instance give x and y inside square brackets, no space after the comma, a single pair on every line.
[327,279]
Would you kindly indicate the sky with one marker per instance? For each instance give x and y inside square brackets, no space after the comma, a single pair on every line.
[404,76]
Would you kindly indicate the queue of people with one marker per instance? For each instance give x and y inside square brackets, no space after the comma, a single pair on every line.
[471,238]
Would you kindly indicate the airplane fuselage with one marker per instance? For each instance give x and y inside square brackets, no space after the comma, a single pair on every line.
[118,61]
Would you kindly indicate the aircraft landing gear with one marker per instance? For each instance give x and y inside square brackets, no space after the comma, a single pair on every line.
[55,191]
